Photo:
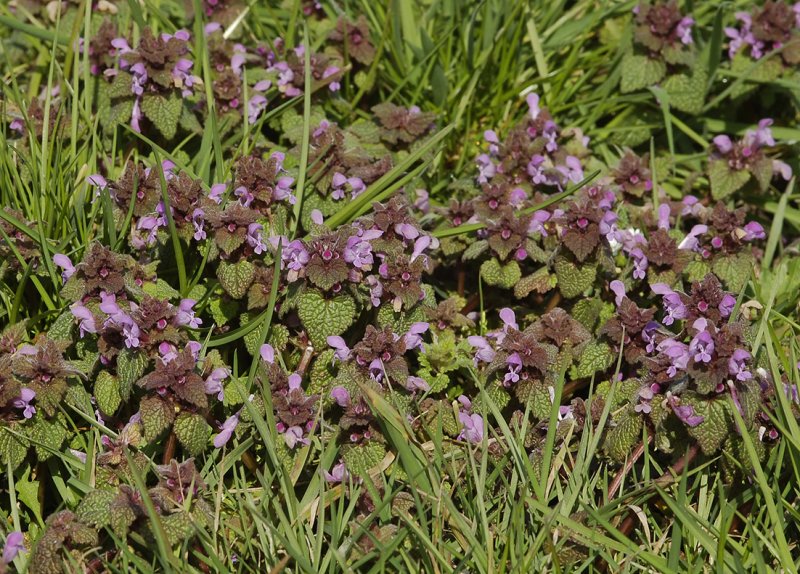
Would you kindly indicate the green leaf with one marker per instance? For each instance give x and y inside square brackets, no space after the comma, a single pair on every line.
[475,249]
[161,290]
[541,282]
[686,93]
[640,72]
[192,431]
[716,426]
[165,113]
[61,329]
[131,365]
[236,278]
[626,433]
[573,280]
[724,180]
[106,393]
[323,318]
[595,357]
[95,509]
[12,448]
[696,271]
[157,416]
[223,310]
[48,433]
[360,459]
[505,276]
[734,270]
[28,493]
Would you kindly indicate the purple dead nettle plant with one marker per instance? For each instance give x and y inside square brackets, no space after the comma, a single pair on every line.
[661,28]
[766,28]
[532,154]
[749,154]
[158,65]
[287,69]
[380,355]
[295,411]
[709,354]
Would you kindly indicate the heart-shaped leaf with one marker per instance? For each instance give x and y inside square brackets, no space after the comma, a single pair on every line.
[323,318]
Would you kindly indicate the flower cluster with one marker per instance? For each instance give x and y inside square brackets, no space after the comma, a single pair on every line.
[764,29]
[661,28]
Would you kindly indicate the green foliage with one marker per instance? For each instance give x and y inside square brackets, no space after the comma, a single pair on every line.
[236,278]
[640,72]
[323,317]
[574,280]
[192,431]
[504,275]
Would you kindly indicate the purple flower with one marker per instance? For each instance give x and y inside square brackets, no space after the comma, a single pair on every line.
[422,201]
[485,351]
[375,290]
[64,262]
[244,195]
[572,169]
[254,238]
[168,351]
[486,168]
[663,216]
[98,181]
[691,206]
[648,335]
[197,221]
[753,230]
[294,436]
[417,384]
[421,244]
[216,192]
[490,137]
[686,414]
[473,429]
[26,395]
[509,321]
[226,431]
[185,315]
[340,395]
[413,339]
[514,362]
[723,143]
[15,543]
[338,474]
[533,105]
[537,222]
[618,287]
[295,256]
[213,383]
[406,230]
[131,332]
[255,106]
[690,242]
[737,365]
[267,353]
[283,190]
[727,304]
[684,30]
[358,250]
[87,324]
[342,350]
[782,168]
[640,263]
[678,354]
[702,347]
[673,304]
